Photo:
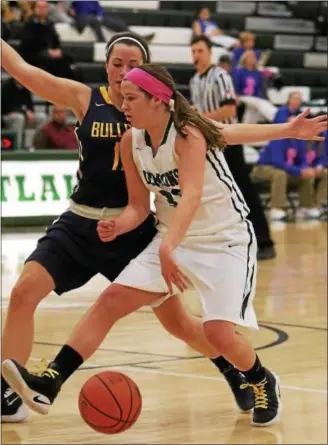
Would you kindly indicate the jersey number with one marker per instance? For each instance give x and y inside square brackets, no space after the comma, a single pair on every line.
[170,196]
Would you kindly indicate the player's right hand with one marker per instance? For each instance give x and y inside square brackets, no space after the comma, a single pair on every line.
[107,230]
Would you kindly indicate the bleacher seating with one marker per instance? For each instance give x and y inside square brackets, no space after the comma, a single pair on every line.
[291,33]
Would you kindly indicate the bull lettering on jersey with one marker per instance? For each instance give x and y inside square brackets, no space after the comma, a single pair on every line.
[108,129]
[168,179]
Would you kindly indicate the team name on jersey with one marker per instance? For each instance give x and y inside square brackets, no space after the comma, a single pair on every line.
[108,129]
[168,179]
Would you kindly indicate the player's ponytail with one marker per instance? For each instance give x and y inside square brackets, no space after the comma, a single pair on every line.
[182,113]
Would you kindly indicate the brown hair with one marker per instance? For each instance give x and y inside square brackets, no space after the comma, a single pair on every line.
[130,39]
[183,113]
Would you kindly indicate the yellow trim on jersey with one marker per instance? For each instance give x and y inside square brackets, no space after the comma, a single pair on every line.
[105,95]
[116,156]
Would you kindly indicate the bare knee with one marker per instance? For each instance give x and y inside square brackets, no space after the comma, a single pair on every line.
[114,303]
[220,334]
[33,285]
[108,306]
[175,319]
[179,328]
[22,296]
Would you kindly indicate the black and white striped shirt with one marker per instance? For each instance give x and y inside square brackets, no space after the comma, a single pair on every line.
[211,90]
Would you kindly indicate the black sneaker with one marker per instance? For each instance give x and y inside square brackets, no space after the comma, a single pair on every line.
[13,409]
[268,404]
[38,390]
[243,395]
[266,253]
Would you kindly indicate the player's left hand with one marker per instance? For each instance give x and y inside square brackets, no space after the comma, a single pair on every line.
[170,270]
[308,129]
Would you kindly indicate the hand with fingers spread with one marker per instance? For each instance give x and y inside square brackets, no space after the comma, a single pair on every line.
[308,129]
[107,230]
[170,270]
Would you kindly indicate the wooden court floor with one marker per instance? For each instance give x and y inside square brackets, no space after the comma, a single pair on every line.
[185,401]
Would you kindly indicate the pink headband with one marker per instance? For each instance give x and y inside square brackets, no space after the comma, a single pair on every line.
[150,84]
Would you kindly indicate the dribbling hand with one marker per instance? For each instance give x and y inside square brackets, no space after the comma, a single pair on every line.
[107,230]
[171,272]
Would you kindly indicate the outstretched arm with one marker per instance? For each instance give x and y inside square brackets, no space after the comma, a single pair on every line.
[138,207]
[299,128]
[65,92]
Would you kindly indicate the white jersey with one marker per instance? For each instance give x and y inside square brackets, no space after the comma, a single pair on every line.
[222,204]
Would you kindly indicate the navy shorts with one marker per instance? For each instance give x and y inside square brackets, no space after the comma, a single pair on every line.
[72,252]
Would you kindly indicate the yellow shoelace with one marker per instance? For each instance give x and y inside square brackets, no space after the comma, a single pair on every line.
[261,398]
[43,370]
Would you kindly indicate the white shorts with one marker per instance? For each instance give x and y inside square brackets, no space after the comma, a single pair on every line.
[221,267]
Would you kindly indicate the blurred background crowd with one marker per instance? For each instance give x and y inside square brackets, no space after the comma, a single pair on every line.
[275,52]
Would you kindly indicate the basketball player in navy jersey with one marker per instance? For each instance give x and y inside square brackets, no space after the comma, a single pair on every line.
[204,239]
[71,253]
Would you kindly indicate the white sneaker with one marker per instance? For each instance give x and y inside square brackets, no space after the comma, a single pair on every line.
[13,409]
[277,214]
[308,213]
[314,213]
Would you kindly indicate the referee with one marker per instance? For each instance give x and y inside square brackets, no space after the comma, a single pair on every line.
[212,93]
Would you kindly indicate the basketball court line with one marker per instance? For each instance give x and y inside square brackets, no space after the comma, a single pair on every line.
[145,370]
[203,377]
[290,325]
[121,351]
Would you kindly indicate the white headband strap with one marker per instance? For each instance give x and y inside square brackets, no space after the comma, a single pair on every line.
[133,40]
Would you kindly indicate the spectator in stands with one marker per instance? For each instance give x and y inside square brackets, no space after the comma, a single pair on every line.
[58,12]
[18,110]
[13,15]
[247,42]
[225,62]
[317,157]
[203,25]
[248,82]
[285,162]
[40,44]
[10,11]
[56,134]
[292,108]
[90,13]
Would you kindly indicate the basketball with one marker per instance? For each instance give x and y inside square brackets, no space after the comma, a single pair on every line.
[110,402]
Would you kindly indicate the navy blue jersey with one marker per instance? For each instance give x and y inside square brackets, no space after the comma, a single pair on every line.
[101,180]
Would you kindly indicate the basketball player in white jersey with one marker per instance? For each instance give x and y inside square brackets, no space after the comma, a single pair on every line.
[205,240]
